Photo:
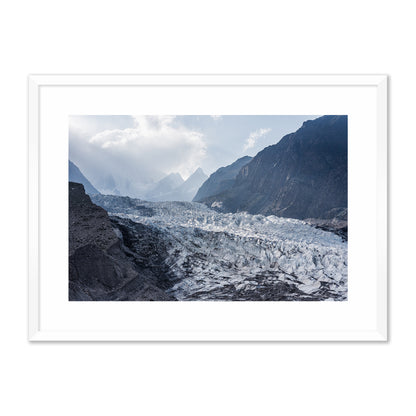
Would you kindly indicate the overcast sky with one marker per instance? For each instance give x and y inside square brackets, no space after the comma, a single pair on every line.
[146,148]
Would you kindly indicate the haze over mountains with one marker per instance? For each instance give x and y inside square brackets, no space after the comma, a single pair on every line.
[174,188]
[171,188]
[165,185]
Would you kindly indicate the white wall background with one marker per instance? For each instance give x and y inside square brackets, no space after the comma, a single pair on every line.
[207,37]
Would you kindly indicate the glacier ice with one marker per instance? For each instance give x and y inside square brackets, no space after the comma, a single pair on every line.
[216,256]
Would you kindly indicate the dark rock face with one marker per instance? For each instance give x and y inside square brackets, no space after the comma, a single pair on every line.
[221,180]
[75,175]
[112,259]
[337,223]
[88,223]
[303,176]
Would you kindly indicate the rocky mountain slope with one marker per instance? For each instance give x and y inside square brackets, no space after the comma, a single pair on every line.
[112,259]
[221,180]
[303,176]
[75,175]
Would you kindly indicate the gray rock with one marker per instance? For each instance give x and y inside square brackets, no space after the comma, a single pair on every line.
[112,259]
[303,176]
[221,180]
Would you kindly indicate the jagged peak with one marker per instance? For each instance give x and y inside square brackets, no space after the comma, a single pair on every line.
[199,171]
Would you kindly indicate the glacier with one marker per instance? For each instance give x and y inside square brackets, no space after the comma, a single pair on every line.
[239,256]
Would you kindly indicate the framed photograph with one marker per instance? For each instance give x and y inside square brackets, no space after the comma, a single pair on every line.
[207,207]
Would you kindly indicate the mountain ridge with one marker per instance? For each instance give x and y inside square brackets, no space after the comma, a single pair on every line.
[75,175]
[302,176]
[186,190]
[221,180]
[166,185]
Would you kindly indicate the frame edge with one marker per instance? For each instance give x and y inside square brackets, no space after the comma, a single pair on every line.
[33,207]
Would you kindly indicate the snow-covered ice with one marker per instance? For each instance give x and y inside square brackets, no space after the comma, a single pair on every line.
[216,256]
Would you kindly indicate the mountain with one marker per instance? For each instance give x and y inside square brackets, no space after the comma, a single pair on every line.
[165,186]
[75,175]
[221,180]
[111,259]
[190,187]
[187,190]
[108,185]
[303,176]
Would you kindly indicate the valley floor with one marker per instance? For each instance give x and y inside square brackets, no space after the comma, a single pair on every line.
[215,256]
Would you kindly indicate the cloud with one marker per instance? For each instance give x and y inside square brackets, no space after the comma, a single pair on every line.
[254,136]
[136,156]
[216,118]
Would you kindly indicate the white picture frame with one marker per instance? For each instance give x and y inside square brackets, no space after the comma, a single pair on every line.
[364,317]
